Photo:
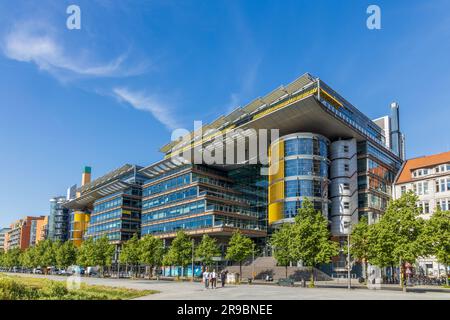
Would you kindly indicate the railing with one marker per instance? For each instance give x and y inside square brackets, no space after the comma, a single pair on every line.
[224,196]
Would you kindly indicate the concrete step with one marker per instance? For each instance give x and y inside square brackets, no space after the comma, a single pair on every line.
[264,266]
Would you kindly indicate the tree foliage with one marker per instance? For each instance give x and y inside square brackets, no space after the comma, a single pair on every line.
[310,241]
[151,252]
[239,249]
[359,246]
[130,252]
[66,255]
[207,249]
[436,237]
[180,251]
[396,237]
[280,243]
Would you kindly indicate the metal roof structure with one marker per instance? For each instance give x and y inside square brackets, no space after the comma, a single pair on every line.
[162,167]
[103,186]
[127,168]
[255,106]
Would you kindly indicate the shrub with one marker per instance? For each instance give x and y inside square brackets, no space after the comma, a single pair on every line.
[54,291]
[13,290]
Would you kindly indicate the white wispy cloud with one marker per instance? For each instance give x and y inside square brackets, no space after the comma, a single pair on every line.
[38,44]
[149,103]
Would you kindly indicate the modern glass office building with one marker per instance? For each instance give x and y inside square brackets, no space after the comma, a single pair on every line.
[325,150]
[58,222]
[108,206]
[200,200]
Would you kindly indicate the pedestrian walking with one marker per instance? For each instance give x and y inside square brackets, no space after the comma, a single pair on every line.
[223,277]
[206,276]
[210,280]
[213,279]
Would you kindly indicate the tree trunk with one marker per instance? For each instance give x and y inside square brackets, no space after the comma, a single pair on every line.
[311,283]
[401,275]
[240,272]
[446,274]
[286,271]
[365,271]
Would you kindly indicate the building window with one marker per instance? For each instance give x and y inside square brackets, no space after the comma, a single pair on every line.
[346,167]
[403,190]
[426,207]
[346,205]
[346,186]
[443,204]
[346,149]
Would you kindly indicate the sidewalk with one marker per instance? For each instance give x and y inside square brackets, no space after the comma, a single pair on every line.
[339,284]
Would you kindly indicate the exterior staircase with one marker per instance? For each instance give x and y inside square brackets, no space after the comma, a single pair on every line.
[264,266]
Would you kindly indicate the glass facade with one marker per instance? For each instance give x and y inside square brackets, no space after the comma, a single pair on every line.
[59,220]
[305,164]
[198,198]
[376,174]
[116,216]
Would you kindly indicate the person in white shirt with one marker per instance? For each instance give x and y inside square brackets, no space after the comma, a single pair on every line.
[206,276]
[213,279]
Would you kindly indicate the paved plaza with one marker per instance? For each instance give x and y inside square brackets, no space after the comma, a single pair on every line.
[177,290]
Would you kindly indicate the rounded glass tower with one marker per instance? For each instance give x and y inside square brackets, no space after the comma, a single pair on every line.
[298,170]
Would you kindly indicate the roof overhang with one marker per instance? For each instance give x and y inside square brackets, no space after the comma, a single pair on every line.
[305,115]
[87,200]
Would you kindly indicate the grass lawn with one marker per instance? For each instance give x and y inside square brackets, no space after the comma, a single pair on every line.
[26,288]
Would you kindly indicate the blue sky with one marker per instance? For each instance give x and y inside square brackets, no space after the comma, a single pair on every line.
[112,92]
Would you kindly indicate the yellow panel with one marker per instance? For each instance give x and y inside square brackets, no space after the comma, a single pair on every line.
[275,212]
[331,99]
[80,225]
[285,103]
[276,192]
[276,182]
[276,169]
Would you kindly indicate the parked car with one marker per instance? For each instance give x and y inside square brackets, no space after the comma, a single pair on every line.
[62,272]
[37,270]
[75,270]
[92,271]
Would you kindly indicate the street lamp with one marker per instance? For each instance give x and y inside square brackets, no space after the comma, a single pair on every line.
[253,264]
[192,260]
[347,224]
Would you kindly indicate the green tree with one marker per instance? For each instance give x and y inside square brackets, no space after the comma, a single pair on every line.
[46,253]
[207,249]
[280,243]
[239,248]
[151,252]
[396,238]
[12,258]
[103,253]
[85,256]
[29,258]
[359,247]
[310,241]
[436,237]
[130,253]
[180,251]
[2,258]
[66,255]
